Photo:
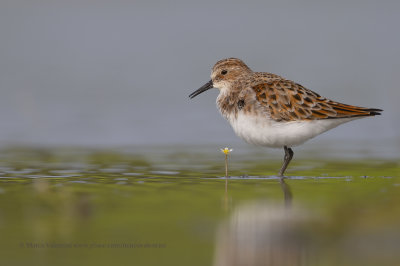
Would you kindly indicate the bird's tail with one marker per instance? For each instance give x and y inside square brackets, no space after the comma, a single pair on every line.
[344,110]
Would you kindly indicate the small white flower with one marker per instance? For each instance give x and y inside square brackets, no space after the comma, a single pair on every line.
[226,151]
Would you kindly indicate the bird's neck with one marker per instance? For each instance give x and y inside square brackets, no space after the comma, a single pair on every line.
[227,102]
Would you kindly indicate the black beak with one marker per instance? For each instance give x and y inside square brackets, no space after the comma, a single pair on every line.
[205,87]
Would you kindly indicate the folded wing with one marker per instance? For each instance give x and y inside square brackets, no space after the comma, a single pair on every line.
[286,100]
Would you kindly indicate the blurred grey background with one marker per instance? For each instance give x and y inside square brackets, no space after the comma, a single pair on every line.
[115,73]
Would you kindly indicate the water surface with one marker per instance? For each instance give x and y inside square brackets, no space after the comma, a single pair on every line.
[175,207]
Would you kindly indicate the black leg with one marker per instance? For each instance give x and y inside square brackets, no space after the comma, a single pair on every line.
[288,157]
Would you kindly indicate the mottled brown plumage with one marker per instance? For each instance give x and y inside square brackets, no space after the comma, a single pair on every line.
[286,100]
[268,110]
[279,98]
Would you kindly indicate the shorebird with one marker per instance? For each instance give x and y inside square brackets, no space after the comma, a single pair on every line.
[268,110]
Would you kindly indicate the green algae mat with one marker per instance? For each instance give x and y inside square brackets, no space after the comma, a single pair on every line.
[175,207]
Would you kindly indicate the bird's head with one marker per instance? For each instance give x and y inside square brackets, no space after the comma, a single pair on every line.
[224,73]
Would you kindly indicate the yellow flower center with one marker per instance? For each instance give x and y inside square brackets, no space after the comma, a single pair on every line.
[226,150]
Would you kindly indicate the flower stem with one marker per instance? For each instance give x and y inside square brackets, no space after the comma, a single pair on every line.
[226,165]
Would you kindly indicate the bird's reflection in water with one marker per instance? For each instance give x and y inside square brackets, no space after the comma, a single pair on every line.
[261,233]
[287,193]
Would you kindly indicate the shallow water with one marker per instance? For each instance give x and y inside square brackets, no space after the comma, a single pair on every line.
[175,207]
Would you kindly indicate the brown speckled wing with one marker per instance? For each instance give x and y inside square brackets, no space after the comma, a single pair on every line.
[286,100]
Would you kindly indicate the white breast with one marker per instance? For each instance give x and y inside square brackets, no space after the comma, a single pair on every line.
[266,132]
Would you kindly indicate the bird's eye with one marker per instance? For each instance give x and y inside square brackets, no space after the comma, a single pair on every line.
[223,72]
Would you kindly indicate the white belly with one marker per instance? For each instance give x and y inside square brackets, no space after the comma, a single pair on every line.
[266,132]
